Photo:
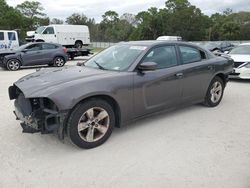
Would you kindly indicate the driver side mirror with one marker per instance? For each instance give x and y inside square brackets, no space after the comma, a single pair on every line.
[147,66]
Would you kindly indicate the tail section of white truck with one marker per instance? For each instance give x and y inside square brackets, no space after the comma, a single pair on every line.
[8,40]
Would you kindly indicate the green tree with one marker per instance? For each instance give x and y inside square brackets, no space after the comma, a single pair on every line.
[187,20]
[150,24]
[31,9]
[230,25]
[77,19]
[130,18]
[110,17]
[178,17]
[56,21]
[33,15]
[9,17]
[108,26]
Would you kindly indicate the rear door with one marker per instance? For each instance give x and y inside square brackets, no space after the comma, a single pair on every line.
[158,89]
[197,70]
[48,51]
[33,55]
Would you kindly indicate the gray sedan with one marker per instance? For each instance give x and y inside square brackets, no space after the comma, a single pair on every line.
[34,54]
[123,83]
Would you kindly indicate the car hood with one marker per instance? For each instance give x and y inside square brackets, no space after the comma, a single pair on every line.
[240,58]
[46,81]
[7,52]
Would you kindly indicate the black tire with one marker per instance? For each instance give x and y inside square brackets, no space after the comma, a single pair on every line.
[217,50]
[81,111]
[209,99]
[13,65]
[58,61]
[78,44]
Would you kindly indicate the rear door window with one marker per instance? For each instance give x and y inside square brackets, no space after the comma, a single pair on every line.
[190,54]
[1,35]
[12,36]
[48,46]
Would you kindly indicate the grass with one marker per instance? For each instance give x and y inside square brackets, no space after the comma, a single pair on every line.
[97,50]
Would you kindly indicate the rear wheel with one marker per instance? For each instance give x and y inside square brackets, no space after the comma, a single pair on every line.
[91,123]
[216,50]
[72,57]
[13,65]
[215,92]
[78,44]
[59,62]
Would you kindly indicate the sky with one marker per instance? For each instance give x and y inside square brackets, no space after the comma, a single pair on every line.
[96,8]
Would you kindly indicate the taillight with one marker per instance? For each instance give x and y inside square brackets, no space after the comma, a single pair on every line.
[65,50]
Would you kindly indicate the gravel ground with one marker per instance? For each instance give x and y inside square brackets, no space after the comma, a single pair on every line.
[187,148]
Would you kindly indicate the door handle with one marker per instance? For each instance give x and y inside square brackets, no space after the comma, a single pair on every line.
[179,75]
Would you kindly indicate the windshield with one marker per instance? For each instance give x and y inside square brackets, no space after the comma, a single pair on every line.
[40,30]
[22,47]
[118,57]
[243,50]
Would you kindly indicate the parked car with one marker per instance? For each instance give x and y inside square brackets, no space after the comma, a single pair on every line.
[241,57]
[123,83]
[218,46]
[66,35]
[31,54]
[8,40]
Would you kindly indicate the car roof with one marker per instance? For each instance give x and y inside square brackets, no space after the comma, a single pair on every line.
[44,43]
[156,42]
[244,44]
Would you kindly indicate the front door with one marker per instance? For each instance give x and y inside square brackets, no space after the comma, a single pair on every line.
[49,35]
[158,89]
[33,55]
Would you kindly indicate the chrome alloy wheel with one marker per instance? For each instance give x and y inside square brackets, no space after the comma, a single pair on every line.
[93,124]
[59,62]
[216,92]
[13,65]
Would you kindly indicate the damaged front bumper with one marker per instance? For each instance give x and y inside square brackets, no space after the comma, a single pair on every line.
[37,114]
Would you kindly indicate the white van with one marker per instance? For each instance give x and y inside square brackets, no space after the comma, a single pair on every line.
[66,35]
[173,38]
[8,40]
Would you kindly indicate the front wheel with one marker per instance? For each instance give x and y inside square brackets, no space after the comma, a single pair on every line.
[91,123]
[215,92]
[13,65]
[59,62]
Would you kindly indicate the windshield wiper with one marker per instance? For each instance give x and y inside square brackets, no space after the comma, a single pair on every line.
[99,66]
